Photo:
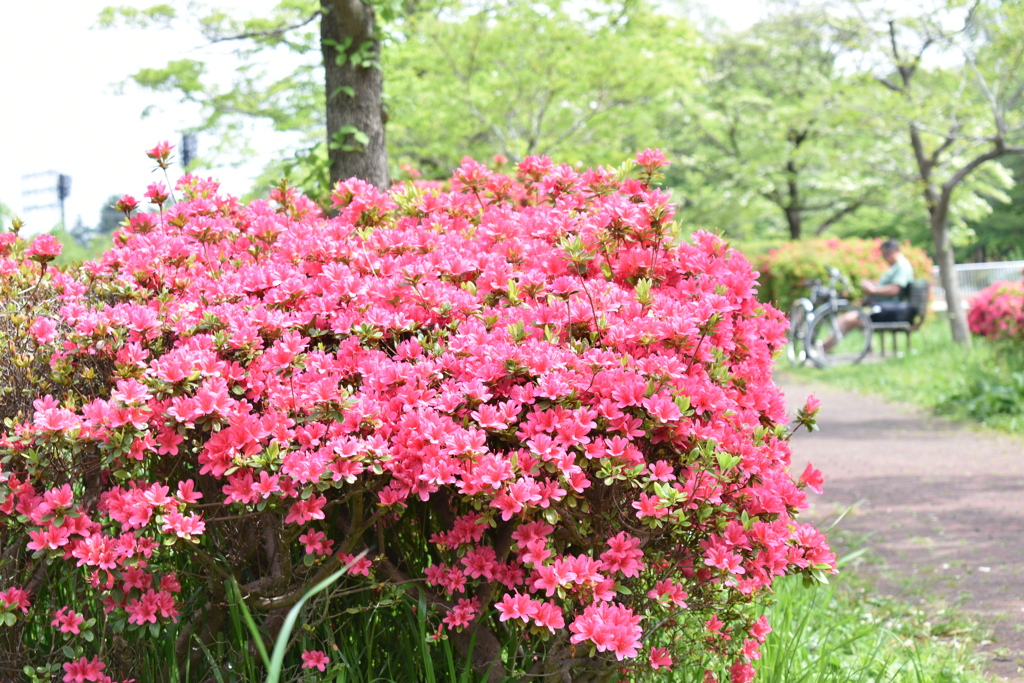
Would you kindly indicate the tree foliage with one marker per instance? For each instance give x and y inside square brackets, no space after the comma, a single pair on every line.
[275,75]
[517,78]
[998,236]
[775,129]
[953,80]
[306,65]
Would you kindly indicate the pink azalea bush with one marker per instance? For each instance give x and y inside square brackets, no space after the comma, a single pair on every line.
[784,269]
[522,395]
[997,312]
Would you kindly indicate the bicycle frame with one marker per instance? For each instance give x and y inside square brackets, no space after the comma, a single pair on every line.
[825,315]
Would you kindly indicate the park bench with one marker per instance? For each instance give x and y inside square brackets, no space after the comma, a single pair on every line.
[917,295]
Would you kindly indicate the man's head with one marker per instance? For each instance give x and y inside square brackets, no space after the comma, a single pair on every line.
[890,250]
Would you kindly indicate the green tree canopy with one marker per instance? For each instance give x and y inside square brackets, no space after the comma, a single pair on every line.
[1000,235]
[774,137]
[520,78]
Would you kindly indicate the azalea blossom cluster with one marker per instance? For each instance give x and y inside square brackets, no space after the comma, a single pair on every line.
[997,312]
[529,375]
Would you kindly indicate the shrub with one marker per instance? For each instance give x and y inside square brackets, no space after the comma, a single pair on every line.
[534,409]
[997,312]
[783,270]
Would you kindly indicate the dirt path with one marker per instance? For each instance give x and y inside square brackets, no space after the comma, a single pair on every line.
[942,504]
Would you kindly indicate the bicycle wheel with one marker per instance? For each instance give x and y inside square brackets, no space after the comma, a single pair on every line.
[799,316]
[838,336]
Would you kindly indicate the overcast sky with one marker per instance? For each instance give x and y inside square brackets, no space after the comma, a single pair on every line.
[61,109]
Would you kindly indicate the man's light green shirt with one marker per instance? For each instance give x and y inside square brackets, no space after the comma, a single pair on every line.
[899,273]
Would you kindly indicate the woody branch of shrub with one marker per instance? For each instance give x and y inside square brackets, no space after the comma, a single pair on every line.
[546,417]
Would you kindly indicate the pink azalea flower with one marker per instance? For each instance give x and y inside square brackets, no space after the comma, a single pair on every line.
[15,598]
[812,478]
[516,606]
[161,153]
[315,659]
[82,670]
[67,620]
[660,659]
[43,330]
[44,248]
[157,193]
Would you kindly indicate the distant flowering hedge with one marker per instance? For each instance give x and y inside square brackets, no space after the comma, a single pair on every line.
[784,269]
[520,394]
[997,312]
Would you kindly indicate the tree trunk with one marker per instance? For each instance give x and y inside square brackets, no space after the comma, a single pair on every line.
[939,218]
[793,221]
[355,84]
[794,212]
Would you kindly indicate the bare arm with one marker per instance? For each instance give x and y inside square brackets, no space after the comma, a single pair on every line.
[870,287]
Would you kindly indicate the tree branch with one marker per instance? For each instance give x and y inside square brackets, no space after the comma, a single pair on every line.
[268,33]
[890,85]
[999,149]
[951,138]
[831,220]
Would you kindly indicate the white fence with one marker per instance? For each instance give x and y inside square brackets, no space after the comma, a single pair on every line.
[974,277]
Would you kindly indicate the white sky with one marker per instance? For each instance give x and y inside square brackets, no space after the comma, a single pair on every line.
[60,109]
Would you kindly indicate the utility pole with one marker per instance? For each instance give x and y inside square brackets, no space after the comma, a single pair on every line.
[46,190]
[189,148]
[63,192]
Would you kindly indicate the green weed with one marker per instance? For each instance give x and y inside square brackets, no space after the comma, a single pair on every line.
[843,633]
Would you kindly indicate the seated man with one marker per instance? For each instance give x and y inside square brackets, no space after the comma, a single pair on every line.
[885,295]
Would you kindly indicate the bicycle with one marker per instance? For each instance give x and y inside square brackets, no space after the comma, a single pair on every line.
[801,314]
[825,341]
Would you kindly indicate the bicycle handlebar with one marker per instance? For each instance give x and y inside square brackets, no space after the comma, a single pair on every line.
[838,276]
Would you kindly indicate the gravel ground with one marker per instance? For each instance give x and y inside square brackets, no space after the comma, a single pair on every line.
[940,503]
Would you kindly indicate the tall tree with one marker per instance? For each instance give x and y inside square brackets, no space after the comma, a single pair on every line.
[955,80]
[350,42]
[776,125]
[332,48]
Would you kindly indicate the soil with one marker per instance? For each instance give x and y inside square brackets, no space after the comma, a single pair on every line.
[940,505]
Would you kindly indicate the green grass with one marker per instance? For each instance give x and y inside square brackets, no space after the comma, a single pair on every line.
[985,385]
[844,633]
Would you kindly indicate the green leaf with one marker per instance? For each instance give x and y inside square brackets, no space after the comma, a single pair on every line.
[726,461]
[235,597]
[277,659]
